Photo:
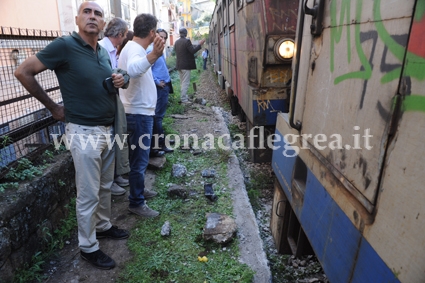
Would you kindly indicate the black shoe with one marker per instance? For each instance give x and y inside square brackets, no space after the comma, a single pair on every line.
[113,233]
[171,142]
[98,259]
[156,153]
[167,149]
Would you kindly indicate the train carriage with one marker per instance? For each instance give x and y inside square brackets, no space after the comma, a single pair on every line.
[248,39]
[348,156]
[349,117]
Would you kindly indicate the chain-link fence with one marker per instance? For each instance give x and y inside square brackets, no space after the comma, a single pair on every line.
[25,124]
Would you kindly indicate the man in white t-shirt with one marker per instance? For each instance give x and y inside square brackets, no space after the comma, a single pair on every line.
[139,101]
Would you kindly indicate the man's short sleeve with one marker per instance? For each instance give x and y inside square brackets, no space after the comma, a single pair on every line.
[52,56]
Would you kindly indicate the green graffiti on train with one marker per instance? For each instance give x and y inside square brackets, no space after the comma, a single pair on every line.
[414,64]
[336,32]
[414,103]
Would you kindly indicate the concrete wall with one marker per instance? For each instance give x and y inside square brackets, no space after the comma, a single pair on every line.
[32,212]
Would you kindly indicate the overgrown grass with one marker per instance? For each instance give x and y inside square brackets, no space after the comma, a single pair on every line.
[258,181]
[25,169]
[175,258]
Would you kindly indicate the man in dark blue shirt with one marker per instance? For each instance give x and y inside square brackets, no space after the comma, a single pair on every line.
[162,81]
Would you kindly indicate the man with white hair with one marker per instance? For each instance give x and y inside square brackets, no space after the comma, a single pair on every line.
[115,34]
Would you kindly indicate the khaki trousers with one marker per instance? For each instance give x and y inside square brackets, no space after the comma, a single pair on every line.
[184,81]
[94,173]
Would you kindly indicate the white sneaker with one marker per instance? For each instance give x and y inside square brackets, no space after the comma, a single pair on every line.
[117,190]
[121,181]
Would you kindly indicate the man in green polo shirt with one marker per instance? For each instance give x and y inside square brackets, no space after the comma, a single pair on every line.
[81,66]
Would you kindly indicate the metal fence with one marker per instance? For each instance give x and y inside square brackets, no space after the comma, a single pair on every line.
[25,124]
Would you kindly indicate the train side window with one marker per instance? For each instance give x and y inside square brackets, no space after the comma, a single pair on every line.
[239,4]
[299,181]
[219,21]
[252,70]
[300,172]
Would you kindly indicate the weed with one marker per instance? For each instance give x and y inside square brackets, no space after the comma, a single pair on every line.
[234,130]
[396,273]
[61,149]
[33,271]
[68,225]
[48,154]
[5,140]
[258,181]
[223,155]
[25,170]
[8,185]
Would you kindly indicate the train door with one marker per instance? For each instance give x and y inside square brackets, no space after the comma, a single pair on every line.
[219,35]
[227,46]
[348,72]
[233,86]
[401,200]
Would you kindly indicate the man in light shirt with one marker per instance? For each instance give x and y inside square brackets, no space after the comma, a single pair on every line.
[115,33]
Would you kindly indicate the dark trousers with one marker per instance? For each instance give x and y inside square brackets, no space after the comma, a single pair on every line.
[139,129]
[161,107]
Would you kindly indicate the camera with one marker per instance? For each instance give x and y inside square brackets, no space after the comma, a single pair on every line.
[109,86]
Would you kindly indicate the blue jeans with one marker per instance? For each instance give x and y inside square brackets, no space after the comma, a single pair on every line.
[161,107]
[139,129]
[205,63]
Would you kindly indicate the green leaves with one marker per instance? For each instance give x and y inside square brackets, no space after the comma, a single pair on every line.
[25,170]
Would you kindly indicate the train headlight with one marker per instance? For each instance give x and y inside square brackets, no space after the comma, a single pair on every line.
[284,49]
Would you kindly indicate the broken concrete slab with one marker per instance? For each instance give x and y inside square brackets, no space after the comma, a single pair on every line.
[156,162]
[177,191]
[219,228]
